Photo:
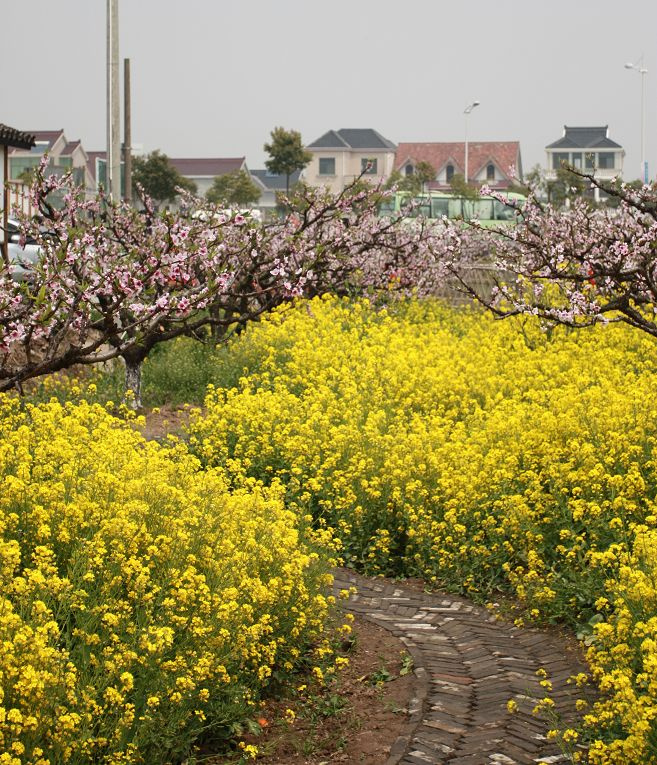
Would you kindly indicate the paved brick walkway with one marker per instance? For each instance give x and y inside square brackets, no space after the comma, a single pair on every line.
[467,666]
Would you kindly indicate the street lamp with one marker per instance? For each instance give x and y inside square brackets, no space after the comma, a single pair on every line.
[467,111]
[639,67]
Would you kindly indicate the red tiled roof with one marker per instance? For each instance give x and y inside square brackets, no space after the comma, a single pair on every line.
[505,154]
[70,147]
[200,166]
[47,136]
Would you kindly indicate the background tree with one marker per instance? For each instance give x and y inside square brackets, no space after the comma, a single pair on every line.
[567,186]
[415,183]
[286,154]
[159,178]
[463,189]
[236,188]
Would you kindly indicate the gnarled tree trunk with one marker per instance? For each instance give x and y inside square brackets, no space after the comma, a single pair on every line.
[133,362]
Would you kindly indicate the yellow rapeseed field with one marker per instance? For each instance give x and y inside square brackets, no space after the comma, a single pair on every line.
[489,457]
[143,605]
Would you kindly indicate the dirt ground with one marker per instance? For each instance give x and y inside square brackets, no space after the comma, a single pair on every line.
[165,420]
[356,720]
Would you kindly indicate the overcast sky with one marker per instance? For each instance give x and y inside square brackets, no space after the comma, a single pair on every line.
[211,78]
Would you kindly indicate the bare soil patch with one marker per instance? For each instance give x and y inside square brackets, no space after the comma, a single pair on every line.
[165,420]
[355,720]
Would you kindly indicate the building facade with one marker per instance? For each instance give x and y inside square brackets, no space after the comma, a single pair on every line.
[494,163]
[341,156]
[588,149]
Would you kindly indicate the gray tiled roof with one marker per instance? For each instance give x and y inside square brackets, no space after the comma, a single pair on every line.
[12,137]
[584,138]
[352,138]
[330,140]
[275,182]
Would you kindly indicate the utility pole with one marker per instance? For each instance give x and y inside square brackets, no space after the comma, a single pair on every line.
[113,111]
[127,133]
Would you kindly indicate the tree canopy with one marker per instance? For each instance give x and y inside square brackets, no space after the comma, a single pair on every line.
[414,183]
[286,153]
[159,178]
[236,188]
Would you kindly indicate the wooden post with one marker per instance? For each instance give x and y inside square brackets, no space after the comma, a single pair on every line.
[5,210]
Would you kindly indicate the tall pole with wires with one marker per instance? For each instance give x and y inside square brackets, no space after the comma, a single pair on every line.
[113,180]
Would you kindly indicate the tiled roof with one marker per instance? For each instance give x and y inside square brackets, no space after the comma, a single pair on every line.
[584,138]
[17,138]
[70,148]
[504,154]
[275,182]
[330,140]
[202,167]
[49,137]
[352,138]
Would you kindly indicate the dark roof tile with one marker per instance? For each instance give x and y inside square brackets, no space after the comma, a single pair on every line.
[17,138]
[353,138]
[275,182]
[584,138]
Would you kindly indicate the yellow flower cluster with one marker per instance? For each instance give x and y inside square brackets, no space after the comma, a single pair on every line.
[486,456]
[143,604]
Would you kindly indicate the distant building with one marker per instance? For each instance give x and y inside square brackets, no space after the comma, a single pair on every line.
[64,155]
[204,171]
[272,184]
[495,163]
[340,156]
[586,148]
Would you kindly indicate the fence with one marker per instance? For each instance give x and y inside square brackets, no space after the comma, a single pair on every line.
[19,198]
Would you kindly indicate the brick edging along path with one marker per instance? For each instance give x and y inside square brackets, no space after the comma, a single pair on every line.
[467,666]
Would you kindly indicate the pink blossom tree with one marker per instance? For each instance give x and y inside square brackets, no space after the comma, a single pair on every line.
[112,281]
[574,267]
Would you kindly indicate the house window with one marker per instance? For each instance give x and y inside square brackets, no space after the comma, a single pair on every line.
[368,165]
[409,169]
[20,164]
[327,165]
[449,173]
[490,172]
[577,160]
[606,160]
[559,159]
[589,161]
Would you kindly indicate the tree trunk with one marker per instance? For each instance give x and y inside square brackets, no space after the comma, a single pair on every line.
[133,382]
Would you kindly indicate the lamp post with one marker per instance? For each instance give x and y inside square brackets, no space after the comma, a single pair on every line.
[467,111]
[639,67]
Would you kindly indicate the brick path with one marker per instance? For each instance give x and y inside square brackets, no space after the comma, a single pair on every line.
[467,666]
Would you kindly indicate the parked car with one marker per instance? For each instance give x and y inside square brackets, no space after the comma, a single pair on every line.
[21,259]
